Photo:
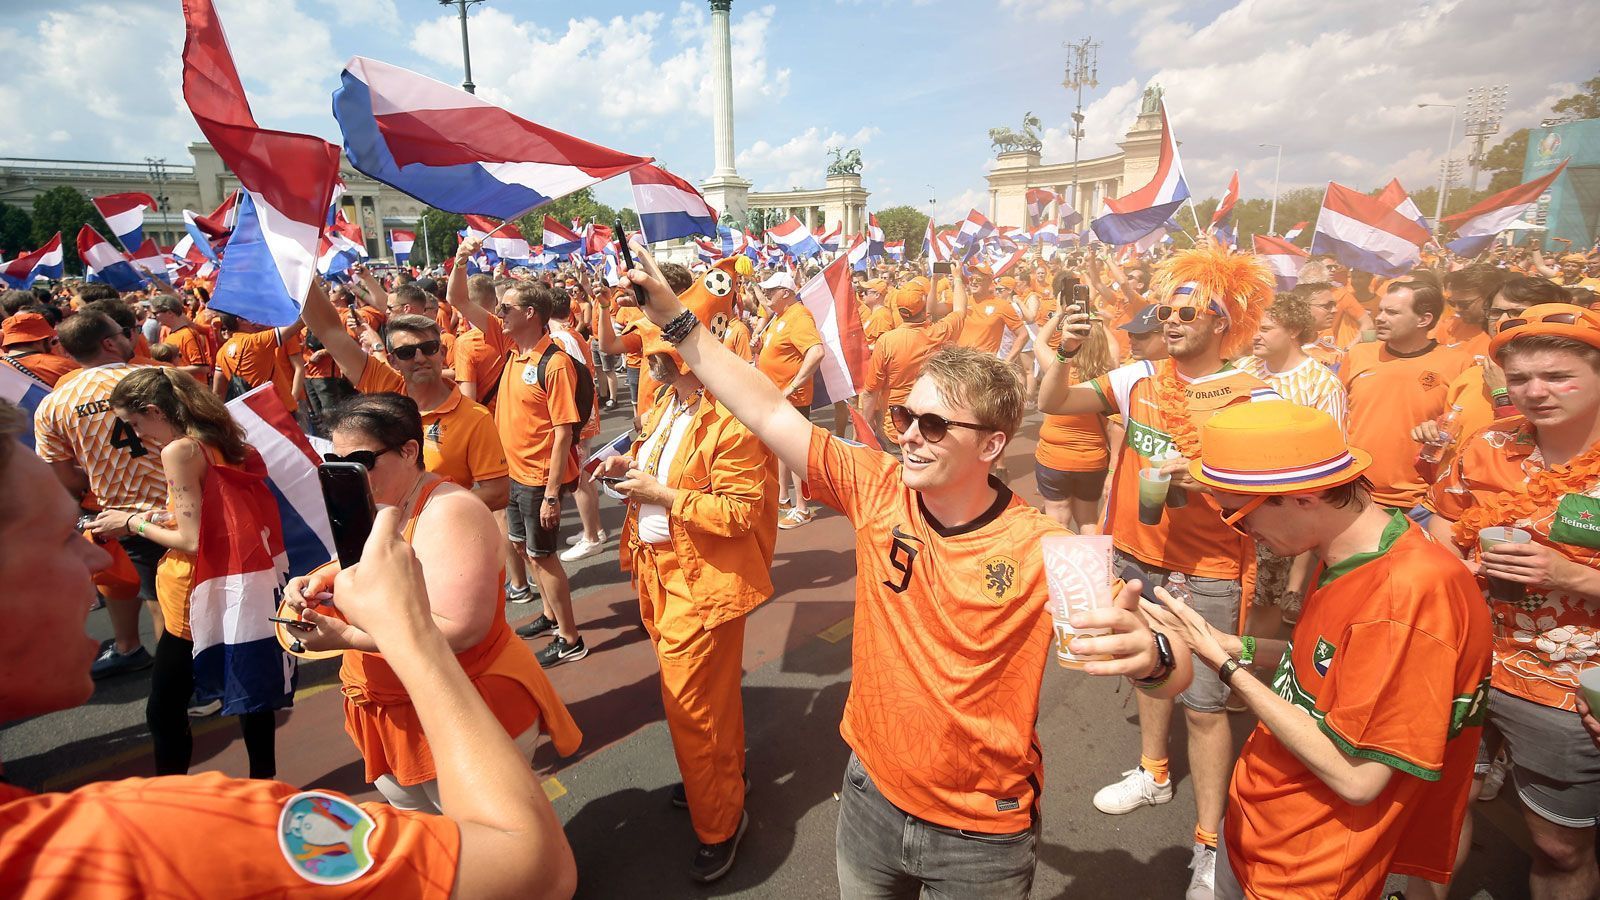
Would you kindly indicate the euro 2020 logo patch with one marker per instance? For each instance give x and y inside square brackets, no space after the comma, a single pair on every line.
[1000,578]
[324,837]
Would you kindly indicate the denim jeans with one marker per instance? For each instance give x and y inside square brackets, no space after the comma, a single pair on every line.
[884,853]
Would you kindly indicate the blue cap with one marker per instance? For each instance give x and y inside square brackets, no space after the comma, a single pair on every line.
[1143,322]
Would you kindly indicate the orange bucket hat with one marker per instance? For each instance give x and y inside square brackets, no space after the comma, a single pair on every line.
[1566,320]
[1275,447]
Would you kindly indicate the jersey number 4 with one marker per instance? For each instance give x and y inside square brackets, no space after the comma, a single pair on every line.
[124,438]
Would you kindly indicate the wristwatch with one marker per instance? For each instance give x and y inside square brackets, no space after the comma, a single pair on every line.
[1165,663]
[1226,670]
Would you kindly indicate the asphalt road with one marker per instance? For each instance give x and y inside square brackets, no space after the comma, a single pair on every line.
[612,795]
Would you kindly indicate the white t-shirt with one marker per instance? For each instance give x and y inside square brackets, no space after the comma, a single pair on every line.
[674,424]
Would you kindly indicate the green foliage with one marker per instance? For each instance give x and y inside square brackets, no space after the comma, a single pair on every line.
[66,210]
[441,228]
[1583,105]
[904,223]
[578,205]
[1504,161]
[16,231]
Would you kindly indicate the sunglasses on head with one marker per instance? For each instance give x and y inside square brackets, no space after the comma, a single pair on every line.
[366,459]
[1552,319]
[932,425]
[426,348]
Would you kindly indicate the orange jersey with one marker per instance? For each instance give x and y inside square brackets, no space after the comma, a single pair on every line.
[1190,539]
[194,349]
[951,639]
[460,442]
[1390,659]
[479,361]
[1389,395]
[528,413]
[787,341]
[737,339]
[75,424]
[897,360]
[255,359]
[189,835]
[1453,331]
[986,324]
[47,367]
[621,318]
[1540,643]
[876,323]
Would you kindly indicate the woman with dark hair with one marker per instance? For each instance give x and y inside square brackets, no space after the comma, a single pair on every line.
[218,505]
[458,545]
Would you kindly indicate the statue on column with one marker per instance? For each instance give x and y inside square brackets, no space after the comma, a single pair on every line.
[845,162]
[1006,140]
[1151,104]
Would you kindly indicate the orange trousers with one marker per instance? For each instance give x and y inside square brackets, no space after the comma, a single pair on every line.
[700,677]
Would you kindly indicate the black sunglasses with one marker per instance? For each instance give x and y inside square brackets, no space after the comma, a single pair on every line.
[1553,319]
[366,459]
[932,425]
[426,348]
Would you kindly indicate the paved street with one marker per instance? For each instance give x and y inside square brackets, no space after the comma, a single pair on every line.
[613,795]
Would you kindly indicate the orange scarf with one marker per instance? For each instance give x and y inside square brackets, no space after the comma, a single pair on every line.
[1529,501]
[1173,403]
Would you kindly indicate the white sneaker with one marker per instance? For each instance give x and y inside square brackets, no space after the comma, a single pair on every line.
[581,550]
[1495,778]
[1137,788]
[1203,883]
[579,536]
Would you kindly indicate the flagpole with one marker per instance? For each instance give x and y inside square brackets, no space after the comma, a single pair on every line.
[427,252]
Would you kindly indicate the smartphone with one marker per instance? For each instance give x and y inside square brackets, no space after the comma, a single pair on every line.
[627,261]
[292,623]
[1080,299]
[943,268]
[611,482]
[1147,586]
[348,497]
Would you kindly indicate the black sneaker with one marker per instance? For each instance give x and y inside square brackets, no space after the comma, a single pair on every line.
[559,651]
[712,861]
[680,797]
[538,626]
[110,662]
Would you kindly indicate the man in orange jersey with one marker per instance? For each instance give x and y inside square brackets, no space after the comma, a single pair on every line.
[1212,301]
[30,343]
[93,452]
[477,366]
[876,317]
[1397,382]
[698,538]
[195,353]
[897,359]
[164,836]
[791,351]
[1467,292]
[1540,472]
[254,355]
[537,413]
[935,533]
[989,315]
[460,440]
[1361,764]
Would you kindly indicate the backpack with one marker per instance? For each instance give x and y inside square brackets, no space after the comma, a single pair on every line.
[582,392]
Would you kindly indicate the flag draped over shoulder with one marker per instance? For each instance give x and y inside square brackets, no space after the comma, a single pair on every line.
[23,391]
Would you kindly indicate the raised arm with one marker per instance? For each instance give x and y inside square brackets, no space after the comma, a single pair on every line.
[323,321]
[1057,394]
[456,289]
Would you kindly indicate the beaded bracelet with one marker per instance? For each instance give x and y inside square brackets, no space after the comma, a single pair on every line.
[679,328]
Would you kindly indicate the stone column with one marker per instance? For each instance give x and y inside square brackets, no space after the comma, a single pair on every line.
[724,190]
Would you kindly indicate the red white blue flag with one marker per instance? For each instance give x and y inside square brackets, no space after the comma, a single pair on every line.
[1039,200]
[103,262]
[501,240]
[401,242]
[1366,233]
[1476,228]
[831,298]
[975,229]
[1126,219]
[669,207]
[793,237]
[1285,259]
[559,239]
[124,215]
[24,391]
[1222,220]
[45,262]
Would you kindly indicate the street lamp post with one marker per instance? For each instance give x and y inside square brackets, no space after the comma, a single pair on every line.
[1083,70]
[1444,166]
[466,51]
[1272,222]
[1486,106]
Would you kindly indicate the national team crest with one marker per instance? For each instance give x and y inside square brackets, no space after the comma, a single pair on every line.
[999,578]
[324,837]
[1322,656]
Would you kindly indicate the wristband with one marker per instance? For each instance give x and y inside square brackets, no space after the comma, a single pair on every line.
[127,524]
[1247,650]
[1063,357]
[143,524]
[679,328]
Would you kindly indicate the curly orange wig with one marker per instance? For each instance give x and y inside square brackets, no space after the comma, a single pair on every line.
[1240,284]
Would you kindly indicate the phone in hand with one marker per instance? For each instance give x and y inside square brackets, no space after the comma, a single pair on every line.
[1147,586]
[943,268]
[1080,299]
[627,261]
[348,496]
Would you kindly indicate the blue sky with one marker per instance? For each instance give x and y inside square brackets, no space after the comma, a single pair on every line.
[915,84]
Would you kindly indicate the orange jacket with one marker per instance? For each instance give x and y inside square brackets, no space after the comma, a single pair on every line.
[725,521]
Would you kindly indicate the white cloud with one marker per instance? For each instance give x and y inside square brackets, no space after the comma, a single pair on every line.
[1044,10]
[801,161]
[364,13]
[956,208]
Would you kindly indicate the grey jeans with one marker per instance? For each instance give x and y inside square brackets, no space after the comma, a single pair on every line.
[884,853]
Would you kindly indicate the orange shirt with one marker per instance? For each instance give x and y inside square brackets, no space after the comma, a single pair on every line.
[1543,642]
[986,324]
[737,339]
[1390,659]
[193,834]
[460,442]
[897,360]
[1388,396]
[47,367]
[1454,332]
[1478,411]
[477,360]
[787,341]
[621,318]
[257,358]
[74,423]
[950,643]
[193,349]
[876,323]
[527,414]
[1190,539]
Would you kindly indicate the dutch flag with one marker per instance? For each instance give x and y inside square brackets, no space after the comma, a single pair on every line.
[1126,219]
[45,262]
[669,207]
[1477,227]
[124,215]
[103,262]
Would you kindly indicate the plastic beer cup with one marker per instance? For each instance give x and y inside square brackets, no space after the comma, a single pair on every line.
[1078,574]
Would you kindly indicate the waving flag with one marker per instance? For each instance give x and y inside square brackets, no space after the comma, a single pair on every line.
[23,391]
[1039,200]
[1222,219]
[668,206]
[830,239]
[124,215]
[895,249]
[507,243]
[1126,219]
[707,251]
[858,257]
[937,246]
[831,298]
[1284,258]
[1366,233]
[1395,197]
[595,238]
[103,262]
[1477,227]
[287,182]
[794,238]
[456,151]
[975,229]
[45,262]
[560,239]
[150,260]
[874,236]
[291,476]
[1295,231]
[401,243]
[1067,218]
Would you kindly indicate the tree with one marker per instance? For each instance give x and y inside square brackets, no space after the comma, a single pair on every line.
[66,210]
[904,223]
[579,205]
[16,232]
[440,228]
[1583,105]
[1504,161]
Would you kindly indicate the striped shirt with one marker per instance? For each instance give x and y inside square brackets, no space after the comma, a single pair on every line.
[75,424]
[1309,384]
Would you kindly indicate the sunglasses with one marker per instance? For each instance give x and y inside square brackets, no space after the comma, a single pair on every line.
[366,459]
[1184,314]
[1552,319]
[408,353]
[1233,519]
[932,425]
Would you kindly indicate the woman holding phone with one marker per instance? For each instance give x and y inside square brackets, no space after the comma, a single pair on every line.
[216,496]
[458,545]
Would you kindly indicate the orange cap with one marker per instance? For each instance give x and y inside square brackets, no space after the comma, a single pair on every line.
[24,328]
[910,300]
[1275,447]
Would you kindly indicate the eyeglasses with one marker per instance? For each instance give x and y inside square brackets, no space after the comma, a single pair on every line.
[1492,313]
[932,425]
[127,333]
[1233,519]
[366,459]
[408,353]
[1184,314]
[1551,319]
[505,308]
